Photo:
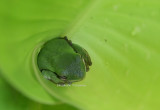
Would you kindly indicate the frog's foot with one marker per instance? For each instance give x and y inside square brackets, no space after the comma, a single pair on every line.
[52,76]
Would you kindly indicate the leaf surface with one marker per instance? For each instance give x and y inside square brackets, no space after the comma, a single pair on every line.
[121,37]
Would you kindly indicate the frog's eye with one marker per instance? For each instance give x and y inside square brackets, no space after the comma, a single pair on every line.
[59,77]
[62,78]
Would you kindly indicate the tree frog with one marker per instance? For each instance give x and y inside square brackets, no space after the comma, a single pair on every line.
[62,61]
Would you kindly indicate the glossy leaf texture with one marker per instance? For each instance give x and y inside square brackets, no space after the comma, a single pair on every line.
[121,36]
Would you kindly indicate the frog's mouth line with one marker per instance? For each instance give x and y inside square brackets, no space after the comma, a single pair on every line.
[64,78]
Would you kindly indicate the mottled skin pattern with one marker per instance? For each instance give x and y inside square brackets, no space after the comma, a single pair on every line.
[61,61]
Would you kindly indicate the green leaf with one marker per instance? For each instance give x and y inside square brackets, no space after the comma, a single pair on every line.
[23,25]
[10,99]
[121,36]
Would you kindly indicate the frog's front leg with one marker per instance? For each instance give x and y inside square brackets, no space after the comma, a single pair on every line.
[47,74]
[84,54]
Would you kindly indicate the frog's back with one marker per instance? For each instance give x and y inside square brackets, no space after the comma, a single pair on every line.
[50,51]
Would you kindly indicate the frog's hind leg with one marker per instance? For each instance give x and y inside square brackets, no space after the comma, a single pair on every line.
[49,75]
[84,54]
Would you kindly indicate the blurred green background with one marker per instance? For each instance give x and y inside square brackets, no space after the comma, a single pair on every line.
[121,36]
[11,99]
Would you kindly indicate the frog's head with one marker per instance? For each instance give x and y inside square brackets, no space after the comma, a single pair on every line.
[69,67]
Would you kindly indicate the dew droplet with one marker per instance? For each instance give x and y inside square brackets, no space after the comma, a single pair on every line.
[140,4]
[125,47]
[107,21]
[136,30]
[154,13]
[141,107]
[106,63]
[143,25]
[115,7]
[127,72]
[118,91]
[148,56]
